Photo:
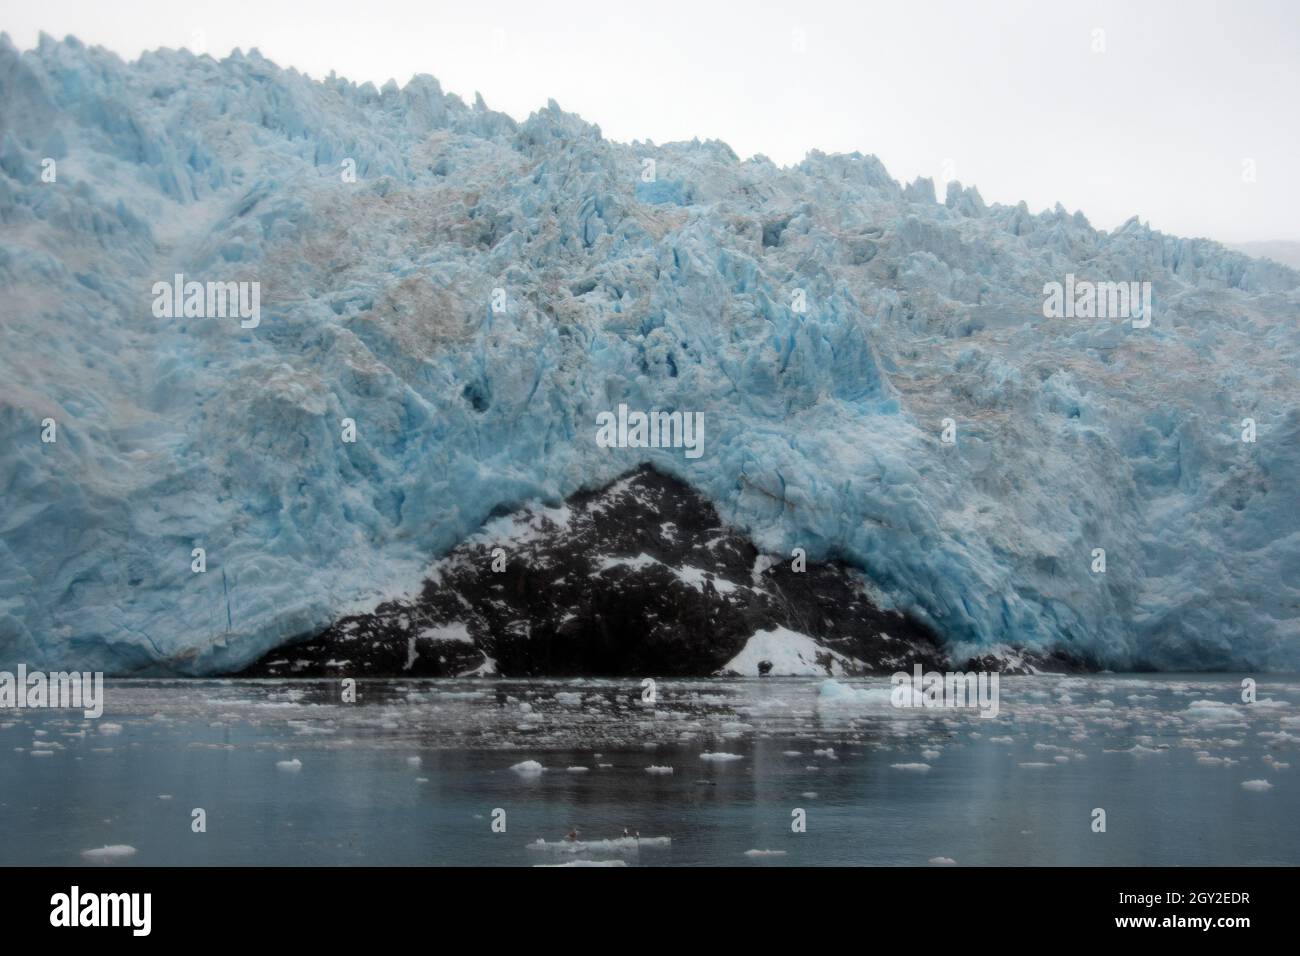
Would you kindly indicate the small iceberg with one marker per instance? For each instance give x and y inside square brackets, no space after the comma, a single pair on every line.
[109,854]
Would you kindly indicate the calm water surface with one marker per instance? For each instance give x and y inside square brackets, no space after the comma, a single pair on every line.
[412,773]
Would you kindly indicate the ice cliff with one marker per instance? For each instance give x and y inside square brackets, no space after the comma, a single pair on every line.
[485,288]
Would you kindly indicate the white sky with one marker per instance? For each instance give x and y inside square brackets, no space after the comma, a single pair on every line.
[1009,91]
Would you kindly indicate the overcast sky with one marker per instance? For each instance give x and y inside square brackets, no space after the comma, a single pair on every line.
[1159,108]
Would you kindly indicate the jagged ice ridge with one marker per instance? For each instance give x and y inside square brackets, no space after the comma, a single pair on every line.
[822,427]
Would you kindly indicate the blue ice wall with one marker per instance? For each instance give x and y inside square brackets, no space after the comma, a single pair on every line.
[825,320]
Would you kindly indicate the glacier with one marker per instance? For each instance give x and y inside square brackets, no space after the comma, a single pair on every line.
[481,289]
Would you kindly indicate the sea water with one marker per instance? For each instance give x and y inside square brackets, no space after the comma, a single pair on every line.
[1105,769]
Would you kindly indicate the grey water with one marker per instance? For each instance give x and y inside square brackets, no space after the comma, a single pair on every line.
[815,772]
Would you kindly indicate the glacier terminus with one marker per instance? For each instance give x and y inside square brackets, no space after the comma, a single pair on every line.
[464,295]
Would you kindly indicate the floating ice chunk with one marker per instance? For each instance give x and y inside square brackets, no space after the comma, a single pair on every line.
[1138,750]
[832,693]
[528,768]
[758,854]
[720,757]
[1214,713]
[615,845]
[942,861]
[109,854]
[583,863]
[914,767]
[292,766]
[1258,786]
[659,770]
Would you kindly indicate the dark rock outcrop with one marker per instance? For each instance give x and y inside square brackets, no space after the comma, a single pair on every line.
[639,578]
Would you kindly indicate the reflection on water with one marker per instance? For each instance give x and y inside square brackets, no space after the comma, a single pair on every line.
[416,772]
